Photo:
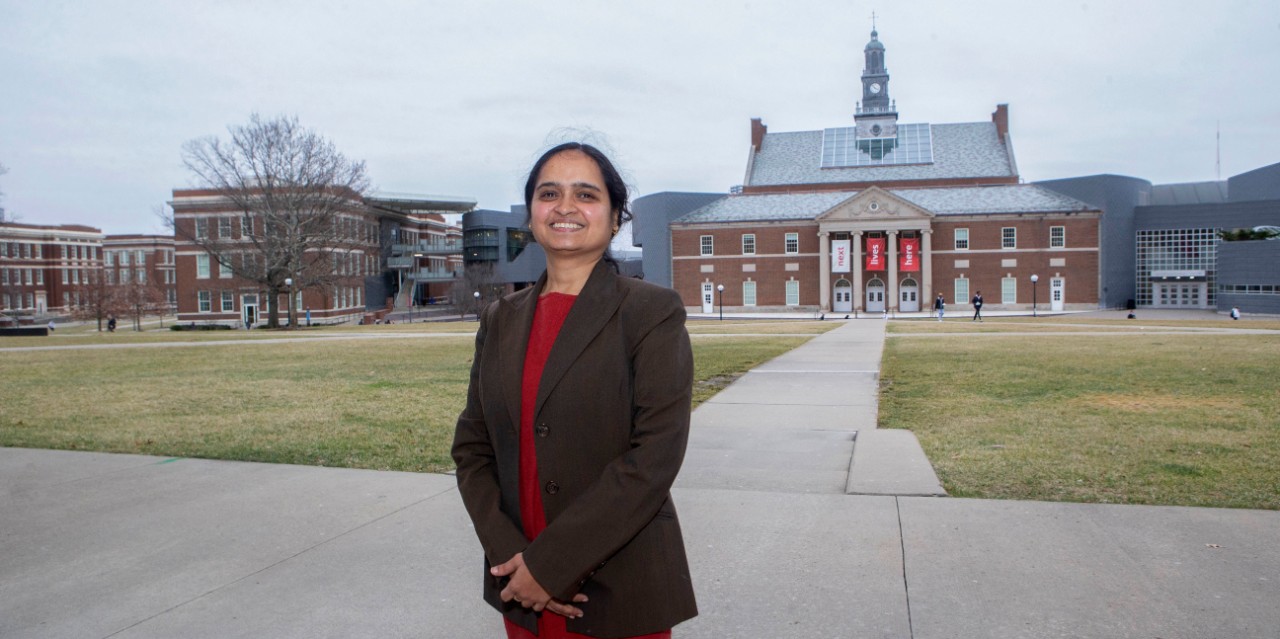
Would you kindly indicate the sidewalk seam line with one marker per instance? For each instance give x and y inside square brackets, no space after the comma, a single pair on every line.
[906,584]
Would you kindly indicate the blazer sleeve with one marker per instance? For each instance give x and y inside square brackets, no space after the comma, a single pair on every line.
[477,468]
[633,486]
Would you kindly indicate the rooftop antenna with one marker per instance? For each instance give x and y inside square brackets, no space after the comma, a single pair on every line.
[1218,150]
[873,20]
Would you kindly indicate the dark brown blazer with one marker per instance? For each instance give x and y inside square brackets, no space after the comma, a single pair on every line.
[611,425]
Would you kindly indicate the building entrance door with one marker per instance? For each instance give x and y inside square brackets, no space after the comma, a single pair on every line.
[1057,288]
[42,303]
[910,296]
[844,296]
[1179,295]
[708,297]
[875,296]
[249,309]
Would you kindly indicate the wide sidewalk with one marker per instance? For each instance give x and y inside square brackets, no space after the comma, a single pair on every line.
[98,545]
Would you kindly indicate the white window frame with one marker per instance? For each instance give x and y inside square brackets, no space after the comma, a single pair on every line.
[202,267]
[749,293]
[205,304]
[707,244]
[1008,290]
[224,271]
[228,302]
[246,226]
[961,290]
[124,258]
[108,258]
[793,293]
[962,243]
[224,228]
[1008,237]
[791,243]
[1061,240]
[201,228]
[748,243]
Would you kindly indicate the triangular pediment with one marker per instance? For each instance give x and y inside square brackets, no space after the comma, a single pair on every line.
[874,203]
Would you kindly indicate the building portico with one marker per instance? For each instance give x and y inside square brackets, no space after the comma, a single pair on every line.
[850,236]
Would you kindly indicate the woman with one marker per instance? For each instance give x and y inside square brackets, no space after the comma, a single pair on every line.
[576,422]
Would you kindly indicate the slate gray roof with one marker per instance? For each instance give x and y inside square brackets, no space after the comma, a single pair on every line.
[970,200]
[964,150]
[1189,193]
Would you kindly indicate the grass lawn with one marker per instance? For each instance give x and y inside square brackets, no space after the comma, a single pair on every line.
[361,403]
[1145,419]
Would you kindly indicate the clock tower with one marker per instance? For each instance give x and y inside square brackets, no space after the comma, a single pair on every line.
[877,115]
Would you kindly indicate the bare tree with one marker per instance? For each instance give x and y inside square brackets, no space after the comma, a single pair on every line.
[140,299]
[475,278]
[95,299]
[295,196]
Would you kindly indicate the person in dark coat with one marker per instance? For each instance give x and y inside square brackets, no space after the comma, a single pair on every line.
[977,306]
[939,306]
[575,426]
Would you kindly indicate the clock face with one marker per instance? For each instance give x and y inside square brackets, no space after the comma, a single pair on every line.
[875,87]
[875,129]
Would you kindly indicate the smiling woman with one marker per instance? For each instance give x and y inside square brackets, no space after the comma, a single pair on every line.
[575,426]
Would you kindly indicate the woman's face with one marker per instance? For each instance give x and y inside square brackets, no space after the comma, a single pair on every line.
[571,214]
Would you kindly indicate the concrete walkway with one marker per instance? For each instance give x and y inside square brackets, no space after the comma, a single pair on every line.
[97,545]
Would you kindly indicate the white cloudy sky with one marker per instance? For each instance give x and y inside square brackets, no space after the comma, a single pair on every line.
[457,97]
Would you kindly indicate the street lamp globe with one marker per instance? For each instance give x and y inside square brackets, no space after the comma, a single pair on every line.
[1034,278]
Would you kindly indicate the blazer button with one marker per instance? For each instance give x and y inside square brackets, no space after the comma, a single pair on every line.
[552,488]
[543,430]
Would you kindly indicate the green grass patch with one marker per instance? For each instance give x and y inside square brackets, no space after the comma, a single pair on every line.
[1183,420]
[360,403]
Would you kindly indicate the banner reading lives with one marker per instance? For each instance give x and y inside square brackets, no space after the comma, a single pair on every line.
[875,254]
[841,260]
[909,258]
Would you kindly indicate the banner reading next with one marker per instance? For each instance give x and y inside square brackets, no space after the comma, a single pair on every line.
[875,254]
[841,259]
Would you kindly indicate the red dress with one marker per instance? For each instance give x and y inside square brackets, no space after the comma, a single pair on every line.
[549,316]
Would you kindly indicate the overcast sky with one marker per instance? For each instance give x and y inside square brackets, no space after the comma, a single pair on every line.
[459,97]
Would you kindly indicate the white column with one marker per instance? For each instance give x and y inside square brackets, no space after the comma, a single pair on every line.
[892,288]
[824,270]
[926,269]
[859,296]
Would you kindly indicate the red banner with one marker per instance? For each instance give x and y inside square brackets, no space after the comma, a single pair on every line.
[909,256]
[875,254]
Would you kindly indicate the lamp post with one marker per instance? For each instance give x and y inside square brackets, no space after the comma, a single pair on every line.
[477,296]
[1034,279]
[720,290]
[288,283]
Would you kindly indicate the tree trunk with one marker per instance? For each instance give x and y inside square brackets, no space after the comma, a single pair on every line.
[273,303]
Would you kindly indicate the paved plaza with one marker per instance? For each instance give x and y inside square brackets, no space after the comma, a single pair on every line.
[801,520]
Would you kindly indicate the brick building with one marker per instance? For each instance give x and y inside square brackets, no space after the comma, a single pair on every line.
[383,250]
[45,269]
[882,216]
[142,261]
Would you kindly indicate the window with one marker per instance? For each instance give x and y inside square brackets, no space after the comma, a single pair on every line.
[64,276]
[793,293]
[108,258]
[962,239]
[749,244]
[4,276]
[110,277]
[962,290]
[224,269]
[708,245]
[140,258]
[748,293]
[124,258]
[1008,237]
[792,243]
[125,275]
[1057,236]
[40,277]
[142,276]
[224,228]
[228,302]
[202,231]
[202,266]
[203,296]
[30,279]
[64,251]
[1009,290]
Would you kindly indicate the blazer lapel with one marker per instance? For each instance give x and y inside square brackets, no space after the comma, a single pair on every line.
[516,322]
[596,303]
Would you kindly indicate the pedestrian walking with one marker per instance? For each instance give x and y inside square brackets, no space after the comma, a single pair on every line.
[575,426]
[1235,313]
[977,307]
[940,306]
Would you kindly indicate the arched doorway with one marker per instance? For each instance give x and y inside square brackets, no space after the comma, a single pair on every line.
[909,296]
[875,295]
[844,296]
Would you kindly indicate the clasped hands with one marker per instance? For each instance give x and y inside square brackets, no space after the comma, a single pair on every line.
[526,591]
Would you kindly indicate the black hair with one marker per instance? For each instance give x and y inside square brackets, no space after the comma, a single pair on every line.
[614,185]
